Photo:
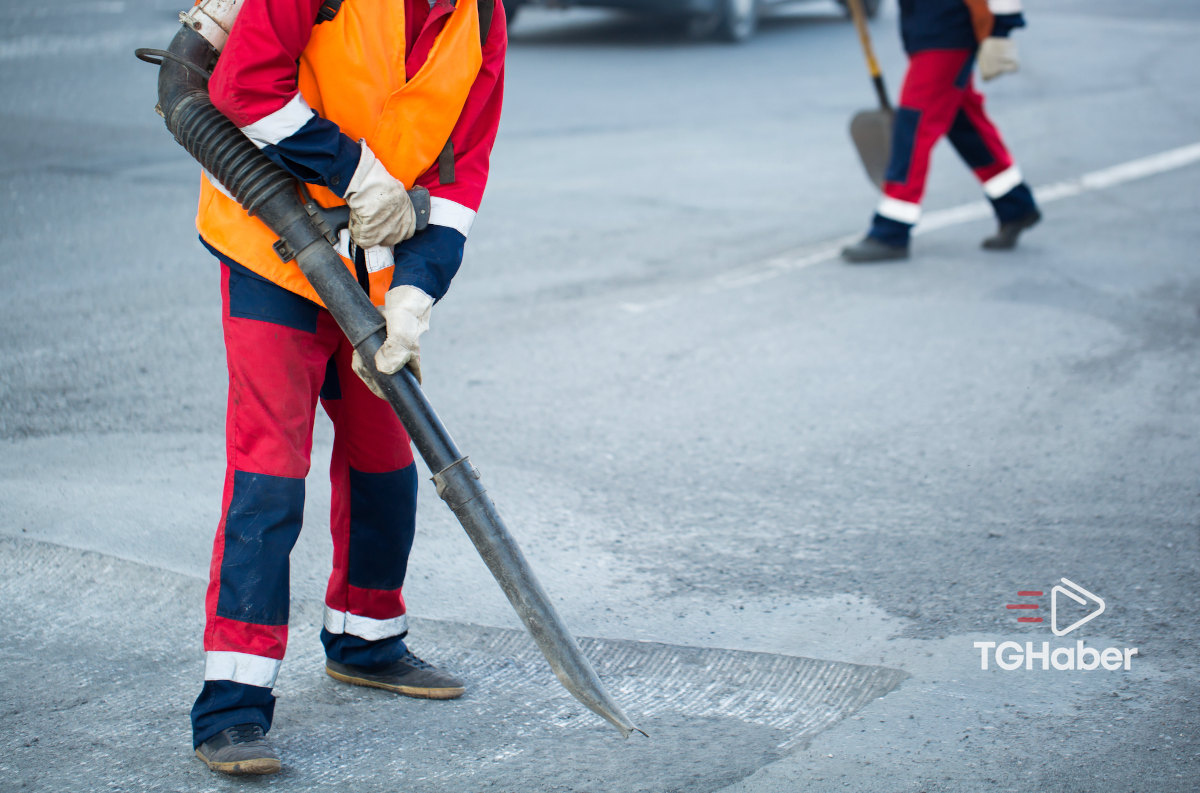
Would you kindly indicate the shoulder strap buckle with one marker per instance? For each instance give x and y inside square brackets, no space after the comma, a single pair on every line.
[328,11]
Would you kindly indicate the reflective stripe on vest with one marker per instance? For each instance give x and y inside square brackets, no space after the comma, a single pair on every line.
[353,73]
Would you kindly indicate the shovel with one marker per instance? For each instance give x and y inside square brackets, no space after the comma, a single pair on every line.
[871,130]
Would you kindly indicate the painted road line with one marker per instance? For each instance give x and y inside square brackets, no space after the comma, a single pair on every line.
[1090,182]
[830,250]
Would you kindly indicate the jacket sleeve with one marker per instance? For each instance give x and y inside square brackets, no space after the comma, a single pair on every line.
[431,258]
[1007,15]
[255,85]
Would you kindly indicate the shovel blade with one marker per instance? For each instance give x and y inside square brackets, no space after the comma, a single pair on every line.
[871,131]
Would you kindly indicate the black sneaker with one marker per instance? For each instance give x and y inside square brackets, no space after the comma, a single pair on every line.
[242,749]
[409,676]
[869,250]
[1005,238]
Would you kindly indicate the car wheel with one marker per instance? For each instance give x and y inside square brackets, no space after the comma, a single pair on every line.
[510,10]
[737,19]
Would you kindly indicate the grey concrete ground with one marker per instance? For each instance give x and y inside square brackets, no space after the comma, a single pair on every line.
[781,496]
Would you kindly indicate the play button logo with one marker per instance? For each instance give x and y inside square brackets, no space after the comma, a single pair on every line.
[1081,608]
[1081,597]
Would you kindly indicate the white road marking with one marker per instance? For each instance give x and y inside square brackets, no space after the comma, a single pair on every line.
[830,250]
[1090,182]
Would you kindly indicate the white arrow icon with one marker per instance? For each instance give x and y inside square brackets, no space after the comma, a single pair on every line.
[1074,593]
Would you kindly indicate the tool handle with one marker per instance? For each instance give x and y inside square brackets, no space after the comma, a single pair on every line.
[881,92]
[338,217]
[864,37]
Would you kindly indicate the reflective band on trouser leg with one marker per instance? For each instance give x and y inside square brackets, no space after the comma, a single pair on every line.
[901,211]
[1003,182]
[1014,203]
[373,518]
[342,622]
[250,670]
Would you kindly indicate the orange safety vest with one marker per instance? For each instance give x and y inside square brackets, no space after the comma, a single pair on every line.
[353,73]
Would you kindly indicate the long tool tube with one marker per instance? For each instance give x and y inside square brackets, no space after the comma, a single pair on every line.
[270,194]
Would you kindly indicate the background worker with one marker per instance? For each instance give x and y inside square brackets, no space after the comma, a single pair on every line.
[944,39]
[359,100]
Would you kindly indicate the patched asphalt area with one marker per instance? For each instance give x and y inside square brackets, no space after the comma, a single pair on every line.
[96,695]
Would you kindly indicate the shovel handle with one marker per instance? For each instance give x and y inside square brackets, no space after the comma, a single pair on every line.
[864,37]
[881,92]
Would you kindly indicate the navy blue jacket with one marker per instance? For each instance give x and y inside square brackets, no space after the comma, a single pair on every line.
[945,25]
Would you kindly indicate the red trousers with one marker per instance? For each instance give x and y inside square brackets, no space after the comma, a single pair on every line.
[285,354]
[939,98]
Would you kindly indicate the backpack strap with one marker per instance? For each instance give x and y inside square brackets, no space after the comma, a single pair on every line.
[328,10]
[445,163]
[486,8]
[445,160]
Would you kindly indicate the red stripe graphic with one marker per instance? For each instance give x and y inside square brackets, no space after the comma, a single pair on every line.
[1029,594]
[1021,606]
[1029,619]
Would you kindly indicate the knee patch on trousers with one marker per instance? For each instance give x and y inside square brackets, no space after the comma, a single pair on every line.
[261,526]
[382,525]
[969,144]
[904,136]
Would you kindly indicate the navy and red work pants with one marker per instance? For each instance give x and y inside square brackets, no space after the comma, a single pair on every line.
[285,354]
[939,99]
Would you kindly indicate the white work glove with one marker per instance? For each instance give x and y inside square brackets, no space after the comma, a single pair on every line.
[406,310]
[997,56]
[380,210]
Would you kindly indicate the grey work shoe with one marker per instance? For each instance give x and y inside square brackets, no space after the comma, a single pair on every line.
[869,250]
[1005,238]
[242,749]
[409,676]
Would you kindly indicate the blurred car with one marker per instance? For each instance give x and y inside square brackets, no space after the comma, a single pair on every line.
[731,20]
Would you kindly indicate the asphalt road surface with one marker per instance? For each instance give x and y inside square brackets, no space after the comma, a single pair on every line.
[780,498]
